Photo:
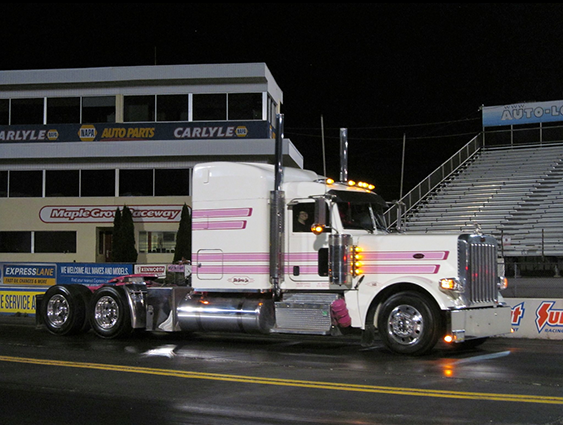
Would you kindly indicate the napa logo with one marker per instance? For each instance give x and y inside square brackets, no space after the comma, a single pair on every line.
[52,135]
[241,131]
[87,133]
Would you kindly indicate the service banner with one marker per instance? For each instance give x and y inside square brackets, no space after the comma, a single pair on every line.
[28,274]
[536,318]
[18,300]
[522,113]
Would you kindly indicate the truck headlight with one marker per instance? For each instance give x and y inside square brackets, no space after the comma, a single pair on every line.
[451,284]
[502,283]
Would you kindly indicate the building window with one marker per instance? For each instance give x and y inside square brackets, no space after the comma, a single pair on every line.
[4,112]
[63,110]
[62,183]
[97,183]
[3,184]
[26,184]
[15,241]
[138,108]
[54,242]
[136,183]
[27,111]
[98,109]
[272,110]
[172,107]
[172,182]
[154,242]
[212,107]
[245,106]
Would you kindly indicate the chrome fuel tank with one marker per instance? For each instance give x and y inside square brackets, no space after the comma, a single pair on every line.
[198,313]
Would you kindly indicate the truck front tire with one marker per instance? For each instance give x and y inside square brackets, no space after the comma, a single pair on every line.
[409,323]
[110,316]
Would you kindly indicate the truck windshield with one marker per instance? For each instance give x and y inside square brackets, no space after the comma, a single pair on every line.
[361,210]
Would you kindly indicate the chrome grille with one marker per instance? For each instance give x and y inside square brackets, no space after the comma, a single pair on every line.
[478,268]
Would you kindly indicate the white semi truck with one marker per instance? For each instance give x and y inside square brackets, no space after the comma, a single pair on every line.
[255,269]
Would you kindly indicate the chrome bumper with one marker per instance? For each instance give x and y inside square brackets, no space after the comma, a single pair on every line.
[479,323]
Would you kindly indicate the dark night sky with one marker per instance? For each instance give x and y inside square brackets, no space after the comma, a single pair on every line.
[380,70]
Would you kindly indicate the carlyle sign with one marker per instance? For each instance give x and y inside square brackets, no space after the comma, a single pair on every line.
[106,213]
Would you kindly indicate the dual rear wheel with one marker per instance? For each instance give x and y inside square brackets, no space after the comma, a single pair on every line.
[71,309]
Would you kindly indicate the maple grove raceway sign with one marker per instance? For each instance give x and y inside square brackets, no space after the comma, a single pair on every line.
[106,213]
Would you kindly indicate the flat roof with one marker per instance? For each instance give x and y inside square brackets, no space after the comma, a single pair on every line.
[148,75]
[28,156]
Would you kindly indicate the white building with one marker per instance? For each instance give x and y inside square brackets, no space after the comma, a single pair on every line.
[76,144]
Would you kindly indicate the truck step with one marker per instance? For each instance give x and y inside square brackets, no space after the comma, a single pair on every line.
[304,314]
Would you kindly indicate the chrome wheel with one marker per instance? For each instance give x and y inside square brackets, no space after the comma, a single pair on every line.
[110,316]
[106,312]
[57,310]
[406,325]
[409,323]
[63,309]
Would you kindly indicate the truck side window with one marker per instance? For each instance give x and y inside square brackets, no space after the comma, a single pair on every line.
[303,215]
[323,262]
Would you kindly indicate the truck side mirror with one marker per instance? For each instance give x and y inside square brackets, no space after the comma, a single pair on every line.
[320,216]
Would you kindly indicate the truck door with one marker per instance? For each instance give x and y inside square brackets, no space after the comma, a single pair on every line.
[307,254]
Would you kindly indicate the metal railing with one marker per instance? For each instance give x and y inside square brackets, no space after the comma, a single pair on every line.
[402,207]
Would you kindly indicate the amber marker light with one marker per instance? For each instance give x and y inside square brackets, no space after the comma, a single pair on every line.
[357,264]
[366,185]
[317,229]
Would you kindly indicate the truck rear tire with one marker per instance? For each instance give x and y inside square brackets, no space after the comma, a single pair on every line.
[63,309]
[409,323]
[110,316]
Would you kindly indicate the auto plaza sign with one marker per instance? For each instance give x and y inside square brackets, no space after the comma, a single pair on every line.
[522,113]
[106,213]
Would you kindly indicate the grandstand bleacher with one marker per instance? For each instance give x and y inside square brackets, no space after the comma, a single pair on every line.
[513,193]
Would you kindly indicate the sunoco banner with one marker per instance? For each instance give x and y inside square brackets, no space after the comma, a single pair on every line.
[537,318]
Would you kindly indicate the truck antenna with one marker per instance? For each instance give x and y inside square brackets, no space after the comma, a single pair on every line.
[323,145]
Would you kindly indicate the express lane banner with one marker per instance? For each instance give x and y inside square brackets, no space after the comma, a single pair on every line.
[29,274]
[46,274]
